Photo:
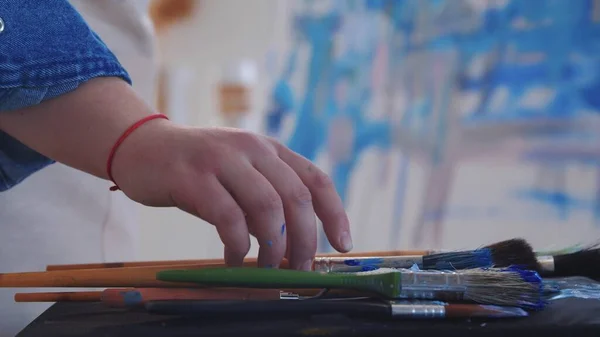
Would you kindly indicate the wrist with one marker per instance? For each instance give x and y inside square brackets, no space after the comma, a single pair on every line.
[142,155]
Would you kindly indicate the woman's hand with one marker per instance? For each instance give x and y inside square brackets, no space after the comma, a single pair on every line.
[242,183]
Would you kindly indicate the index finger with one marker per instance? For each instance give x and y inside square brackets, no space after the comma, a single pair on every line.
[326,201]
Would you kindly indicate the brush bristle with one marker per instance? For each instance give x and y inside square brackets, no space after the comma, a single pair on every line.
[582,263]
[470,259]
[514,252]
[509,287]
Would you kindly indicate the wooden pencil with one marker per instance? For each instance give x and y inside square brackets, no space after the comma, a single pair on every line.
[248,262]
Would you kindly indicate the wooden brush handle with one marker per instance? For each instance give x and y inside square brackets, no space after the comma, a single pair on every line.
[93,278]
[136,297]
[76,296]
[249,262]
[208,262]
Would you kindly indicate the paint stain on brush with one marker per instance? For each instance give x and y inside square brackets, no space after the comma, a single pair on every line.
[131,298]
[364,262]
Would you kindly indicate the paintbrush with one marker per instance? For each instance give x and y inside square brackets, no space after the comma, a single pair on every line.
[126,277]
[130,276]
[564,263]
[585,262]
[451,260]
[128,297]
[503,254]
[513,252]
[509,287]
[355,307]
[248,262]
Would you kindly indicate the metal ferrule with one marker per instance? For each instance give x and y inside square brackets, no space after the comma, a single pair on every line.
[546,263]
[288,296]
[342,264]
[439,285]
[403,310]
[433,280]
[443,295]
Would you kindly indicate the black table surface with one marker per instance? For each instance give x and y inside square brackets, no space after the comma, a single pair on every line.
[562,317]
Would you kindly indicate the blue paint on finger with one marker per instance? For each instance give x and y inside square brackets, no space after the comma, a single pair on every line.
[283,229]
[270,243]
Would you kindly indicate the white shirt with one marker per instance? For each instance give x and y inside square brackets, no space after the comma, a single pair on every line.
[61,215]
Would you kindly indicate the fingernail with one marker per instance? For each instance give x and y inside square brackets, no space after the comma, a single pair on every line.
[307,265]
[346,241]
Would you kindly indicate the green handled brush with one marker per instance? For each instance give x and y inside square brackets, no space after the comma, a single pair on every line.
[508,286]
[386,284]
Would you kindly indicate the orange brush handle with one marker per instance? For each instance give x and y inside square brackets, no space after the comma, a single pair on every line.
[127,297]
[214,262]
[93,278]
[81,296]
[137,297]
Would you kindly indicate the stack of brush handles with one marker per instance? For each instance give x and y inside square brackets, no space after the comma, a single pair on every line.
[504,279]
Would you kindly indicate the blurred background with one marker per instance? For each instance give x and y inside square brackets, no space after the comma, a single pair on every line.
[445,124]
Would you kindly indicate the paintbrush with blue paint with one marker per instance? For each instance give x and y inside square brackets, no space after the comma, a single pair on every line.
[346,262]
[503,254]
[513,252]
[506,287]
[479,258]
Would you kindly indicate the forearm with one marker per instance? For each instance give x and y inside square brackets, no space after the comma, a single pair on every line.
[242,183]
[79,128]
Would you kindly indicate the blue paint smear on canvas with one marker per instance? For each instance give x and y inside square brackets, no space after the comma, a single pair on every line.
[569,67]
[560,201]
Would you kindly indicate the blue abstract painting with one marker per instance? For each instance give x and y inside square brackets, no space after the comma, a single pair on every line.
[436,86]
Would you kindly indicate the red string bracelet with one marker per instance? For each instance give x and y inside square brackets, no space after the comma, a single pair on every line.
[120,141]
